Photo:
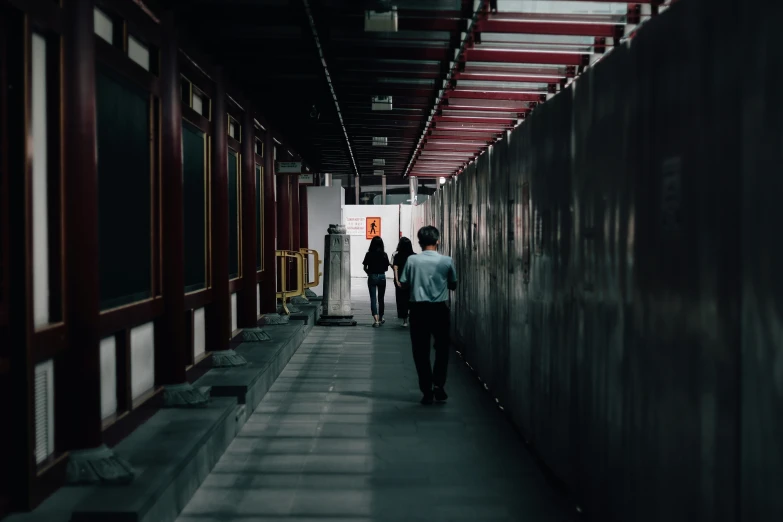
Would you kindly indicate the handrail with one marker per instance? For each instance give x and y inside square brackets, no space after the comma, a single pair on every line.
[282,275]
[316,264]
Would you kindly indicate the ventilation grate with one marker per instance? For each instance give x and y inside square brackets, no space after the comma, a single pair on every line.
[44,411]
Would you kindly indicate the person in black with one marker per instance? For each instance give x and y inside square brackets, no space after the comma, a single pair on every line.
[376,263]
[402,292]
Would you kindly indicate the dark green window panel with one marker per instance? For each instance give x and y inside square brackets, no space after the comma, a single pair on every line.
[194,185]
[124,192]
[233,214]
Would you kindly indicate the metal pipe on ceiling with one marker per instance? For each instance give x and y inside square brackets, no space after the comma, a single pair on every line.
[329,82]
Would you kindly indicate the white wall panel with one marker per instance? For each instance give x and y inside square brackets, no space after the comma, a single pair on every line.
[108,376]
[142,359]
[233,312]
[199,333]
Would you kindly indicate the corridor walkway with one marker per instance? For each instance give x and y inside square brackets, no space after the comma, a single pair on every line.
[341,436]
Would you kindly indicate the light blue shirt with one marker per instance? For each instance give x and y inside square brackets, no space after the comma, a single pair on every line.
[428,274]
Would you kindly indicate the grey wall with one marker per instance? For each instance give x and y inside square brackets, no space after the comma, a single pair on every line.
[324,207]
[620,257]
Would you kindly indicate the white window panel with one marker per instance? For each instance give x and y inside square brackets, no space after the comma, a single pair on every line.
[138,52]
[104,26]
[40,186]
[198,103]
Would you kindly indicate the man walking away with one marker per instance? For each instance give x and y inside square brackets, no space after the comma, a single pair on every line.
[430,276]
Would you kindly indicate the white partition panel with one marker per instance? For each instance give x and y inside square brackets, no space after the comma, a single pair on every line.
[390,233]
[199,333]
[324,207]
[108,376]
[142,359]
[39,185]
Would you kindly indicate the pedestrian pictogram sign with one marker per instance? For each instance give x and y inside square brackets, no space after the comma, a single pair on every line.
[373,227]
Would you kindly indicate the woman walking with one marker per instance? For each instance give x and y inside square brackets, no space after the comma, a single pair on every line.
[403,293]
[376,263]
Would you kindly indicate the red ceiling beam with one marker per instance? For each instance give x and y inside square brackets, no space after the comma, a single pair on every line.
[510,56]
[483,77]
[476,119]
[432,138]
[500,24]
[499,94]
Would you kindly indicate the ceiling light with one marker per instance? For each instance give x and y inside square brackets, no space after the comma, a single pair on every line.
[379,162]
[383,20]
[381,103]
[379,141]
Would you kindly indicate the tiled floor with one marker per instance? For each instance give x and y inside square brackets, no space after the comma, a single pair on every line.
[341,436]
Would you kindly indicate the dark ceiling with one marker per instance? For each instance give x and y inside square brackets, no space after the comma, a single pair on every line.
[495,66]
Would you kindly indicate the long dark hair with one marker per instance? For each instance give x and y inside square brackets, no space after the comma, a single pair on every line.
[404,247]
[376,245]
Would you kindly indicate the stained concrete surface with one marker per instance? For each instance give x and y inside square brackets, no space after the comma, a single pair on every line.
[341,436]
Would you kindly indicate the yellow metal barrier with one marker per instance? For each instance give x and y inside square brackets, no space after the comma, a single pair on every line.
[285,257]
[306,252]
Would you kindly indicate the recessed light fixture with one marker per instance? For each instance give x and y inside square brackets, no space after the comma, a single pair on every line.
[381,103]
[379,162]
[380,141]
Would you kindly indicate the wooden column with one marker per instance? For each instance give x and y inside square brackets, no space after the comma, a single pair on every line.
[79,420]
[284,226]
[246,296]
[304,223]
[17,377]
[283,212]
[268,301]
[293,179]
[219,310]
[171,355]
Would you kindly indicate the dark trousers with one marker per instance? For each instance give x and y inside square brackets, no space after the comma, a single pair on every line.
[377,282]
[430,320]
[403,296]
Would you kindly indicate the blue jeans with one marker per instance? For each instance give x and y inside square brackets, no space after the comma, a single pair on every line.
[376,281]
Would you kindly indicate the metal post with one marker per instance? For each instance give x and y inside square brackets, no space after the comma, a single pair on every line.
[383,190]
[327,180]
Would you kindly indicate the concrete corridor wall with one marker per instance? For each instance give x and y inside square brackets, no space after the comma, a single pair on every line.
[620,261]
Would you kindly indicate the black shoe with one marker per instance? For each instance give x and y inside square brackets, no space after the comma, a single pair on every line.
[426,399]
[439,394]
